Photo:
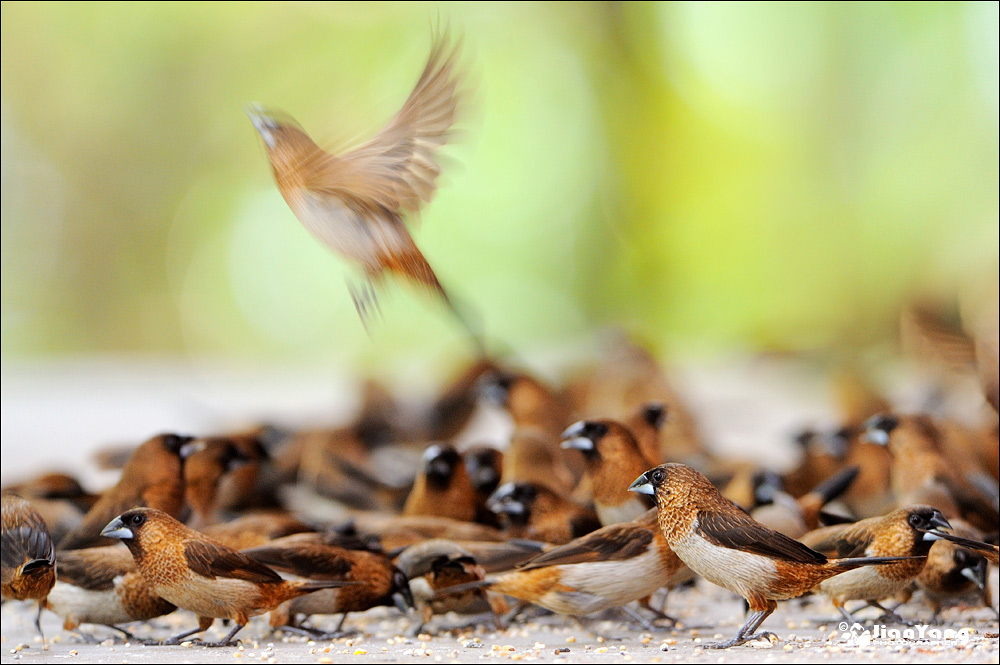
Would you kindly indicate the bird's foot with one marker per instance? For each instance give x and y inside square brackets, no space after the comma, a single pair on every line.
[738,640]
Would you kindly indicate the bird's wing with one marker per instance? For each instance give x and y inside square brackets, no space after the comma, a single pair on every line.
[396,170]
[616,542]
[305,560]
[212,560]
[844,540]
[737,530]
[95,569]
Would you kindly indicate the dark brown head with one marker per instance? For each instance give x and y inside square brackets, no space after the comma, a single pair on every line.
[514,501]
[913,528]
[440,464]
[484,465]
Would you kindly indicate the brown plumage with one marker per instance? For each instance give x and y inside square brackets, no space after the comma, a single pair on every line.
[613,460]
[153,477]
[796,517]
[443,488]
[206,462]
[610,567]
[54,485]
[354,203]
[253,529]
[201,575]
[102,585]
[646,424]
[900,533]
[375,581]
[926,470]
[952,570]
[28,557]
[531,510]
[439,564]
[727,547]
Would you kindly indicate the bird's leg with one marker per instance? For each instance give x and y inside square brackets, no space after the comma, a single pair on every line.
[339,631]
[638,617]
[177,639]
[746,633]
[647,603]
[226,641]
[847,615]
[38,626]
[887,614]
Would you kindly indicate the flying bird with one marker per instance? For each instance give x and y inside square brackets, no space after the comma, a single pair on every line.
[355,202]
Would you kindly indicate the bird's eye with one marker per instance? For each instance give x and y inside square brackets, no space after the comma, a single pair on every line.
[916,520]
[657,476]
[137,519]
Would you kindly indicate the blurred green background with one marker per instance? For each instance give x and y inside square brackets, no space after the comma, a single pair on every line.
[707,176]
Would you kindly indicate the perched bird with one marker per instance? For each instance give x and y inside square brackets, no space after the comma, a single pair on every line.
[443,488]
[727,547]
[198,574]
[610,567]
[796,517]
[102,585]
[531,510]
[354,203]
[900,533]
[28,557]
[953,571]
[612,459]
[990,551]
[255,528]
[152,477]
[374,580]
[922,473]
[438,564]
[206,462]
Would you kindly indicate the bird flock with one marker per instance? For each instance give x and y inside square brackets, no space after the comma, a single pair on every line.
[604,495]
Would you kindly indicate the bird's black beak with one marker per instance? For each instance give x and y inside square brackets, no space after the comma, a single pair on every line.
[117,529]
[642,485]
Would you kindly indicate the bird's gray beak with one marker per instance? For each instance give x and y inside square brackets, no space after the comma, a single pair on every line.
[117,529]
[573,438]
[262,121]
[877,436]
[642,486]
[932,535]
[939,521]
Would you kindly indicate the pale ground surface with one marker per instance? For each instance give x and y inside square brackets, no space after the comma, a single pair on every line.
[55,416]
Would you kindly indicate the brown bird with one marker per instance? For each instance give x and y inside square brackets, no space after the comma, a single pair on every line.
[924,472]
[612,458]
[952,571]
[255,528]
[900,533]
[153,477]
[354,203]
[531,510]
[727,547]
[443,488]
[102,585]
[796,517]
[438,564]
[201,575]
[28,557]
[374,581]
[610,567]
[206,462]
[991,552]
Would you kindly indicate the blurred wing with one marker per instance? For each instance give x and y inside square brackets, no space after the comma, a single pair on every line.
[318,561]
[396,170]
[95,569]
[844,540]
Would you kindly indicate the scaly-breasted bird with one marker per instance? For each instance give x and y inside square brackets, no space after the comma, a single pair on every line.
[29,560]
[196,573]
[354,203]
[727,547]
